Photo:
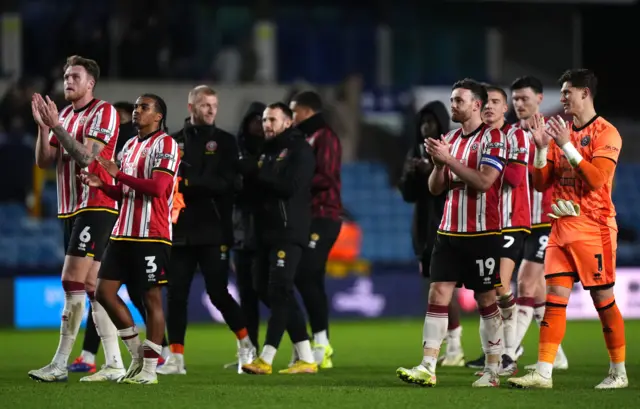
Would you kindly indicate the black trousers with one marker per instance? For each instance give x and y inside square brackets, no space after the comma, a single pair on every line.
[275,268]
[310,279]
[91,341]
[214,265]
[249,299]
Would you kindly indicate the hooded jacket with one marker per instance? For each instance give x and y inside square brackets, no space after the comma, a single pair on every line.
[414,186]
[206,181]
[249,146]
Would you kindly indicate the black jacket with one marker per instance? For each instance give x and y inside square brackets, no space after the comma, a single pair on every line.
[414,186]
[283,181]
[250,148]
[207,172]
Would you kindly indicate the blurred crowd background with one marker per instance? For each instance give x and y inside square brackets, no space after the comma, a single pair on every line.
[375,63]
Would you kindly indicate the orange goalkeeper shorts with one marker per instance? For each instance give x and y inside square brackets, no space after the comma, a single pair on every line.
[584,250]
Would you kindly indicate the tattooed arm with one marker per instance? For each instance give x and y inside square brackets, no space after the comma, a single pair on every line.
[83,154]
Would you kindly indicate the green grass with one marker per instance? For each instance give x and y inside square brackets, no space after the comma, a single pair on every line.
[367,355]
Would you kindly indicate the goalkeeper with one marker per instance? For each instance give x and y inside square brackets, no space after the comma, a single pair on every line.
[578,162]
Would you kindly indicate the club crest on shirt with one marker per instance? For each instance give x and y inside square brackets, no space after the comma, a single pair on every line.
[474,147]
[585,140]
[145,152]
[211,147]
[282,154]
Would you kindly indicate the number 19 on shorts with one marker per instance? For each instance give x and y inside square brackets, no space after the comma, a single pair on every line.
[486,268]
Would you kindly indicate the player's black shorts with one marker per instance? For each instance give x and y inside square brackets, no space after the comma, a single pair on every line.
[470,261]
[513,245]
[87,233]
[535,245]
[135,263]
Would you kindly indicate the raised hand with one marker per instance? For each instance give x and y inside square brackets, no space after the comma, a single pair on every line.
[439,151]
[90,179]
[36,114]
[47,110]
[537,127]
[558,130]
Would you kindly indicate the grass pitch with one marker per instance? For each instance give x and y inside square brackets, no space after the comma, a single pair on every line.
[367,355]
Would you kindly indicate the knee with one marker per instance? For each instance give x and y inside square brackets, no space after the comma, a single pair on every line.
[280,292]
[101,295]
[441,293]
[600,297]
[485,299]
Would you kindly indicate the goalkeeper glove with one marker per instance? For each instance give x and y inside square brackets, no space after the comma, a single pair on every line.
[564,208]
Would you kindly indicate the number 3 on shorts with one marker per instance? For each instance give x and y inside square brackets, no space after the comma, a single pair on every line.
[152,267]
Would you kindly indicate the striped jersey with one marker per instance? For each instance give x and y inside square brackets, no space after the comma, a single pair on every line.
[540,201]
[516,203]
[468,211]
[142,217]
[98,121]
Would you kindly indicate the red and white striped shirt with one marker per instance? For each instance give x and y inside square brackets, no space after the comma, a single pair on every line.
[467,211]
[516,203]
[540,201]
[143,217]
[98,121]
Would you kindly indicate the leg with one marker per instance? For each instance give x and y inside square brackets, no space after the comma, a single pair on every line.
[560,275]
[86,362]
[445,271]
[76,266]
[214,263]
[614,337]
[137,299]
[182,266]
[249,300]
[310,278]
[149,263]
[105,329]
[511,252]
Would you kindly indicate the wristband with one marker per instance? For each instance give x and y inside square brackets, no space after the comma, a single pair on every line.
[540,158]
[572,154]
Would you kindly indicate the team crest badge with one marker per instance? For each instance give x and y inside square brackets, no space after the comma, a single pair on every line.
[585,140]
[211,147]
[145,152]
[283,154]
[280,262]
[474,147]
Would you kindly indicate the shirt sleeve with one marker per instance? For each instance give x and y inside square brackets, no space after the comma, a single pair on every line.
[165,156]
[104,124]
[494,149]
[607,144]
[518,147]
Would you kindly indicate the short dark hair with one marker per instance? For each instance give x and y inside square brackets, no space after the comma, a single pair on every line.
[528,81]
[308,99]
[124,106]
[581,78]
[495,88]
[161,108]
[91,66]
[283,107]
[477,89]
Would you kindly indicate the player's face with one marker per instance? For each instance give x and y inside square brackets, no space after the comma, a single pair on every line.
[572,98]
[274,122]
[525,102]
[300,113]
[495,109]
[144,113]
[204,109]
[463,105]
[77,82]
